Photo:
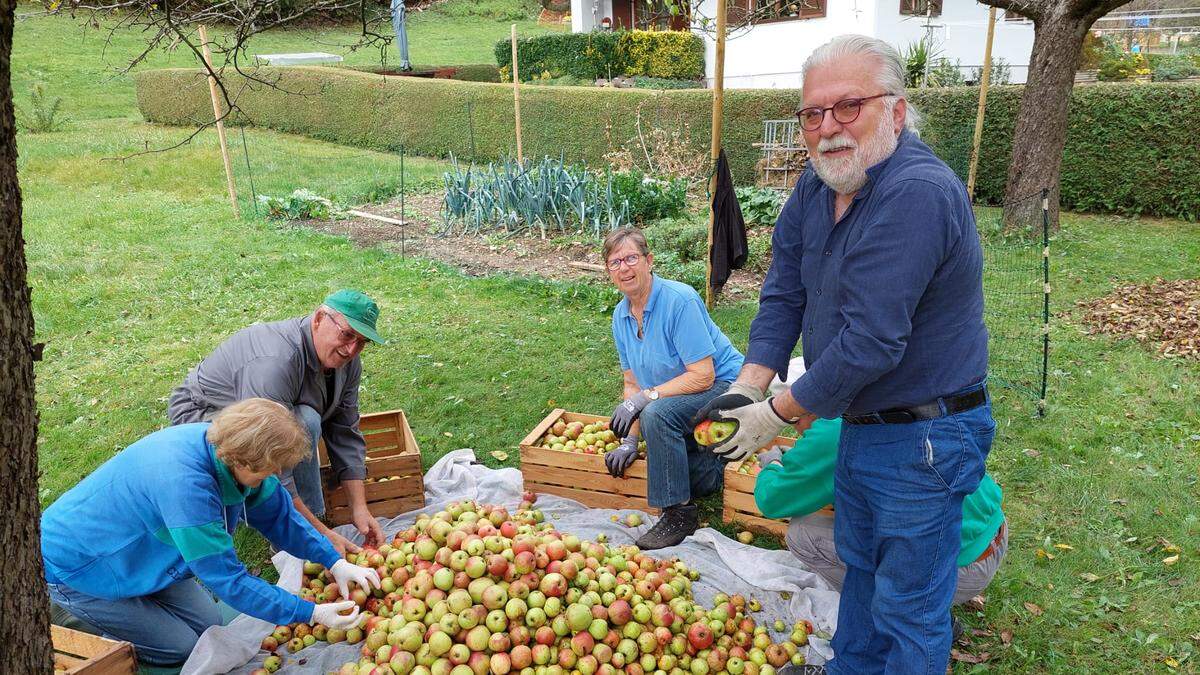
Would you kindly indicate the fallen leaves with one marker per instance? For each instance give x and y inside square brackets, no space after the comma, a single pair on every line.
[964,657]
[1034,609]
[1165,314]
[499,455]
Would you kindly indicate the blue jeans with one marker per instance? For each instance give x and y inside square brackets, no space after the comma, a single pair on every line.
[678,468]
[304,479]
[898,493]
[163,627]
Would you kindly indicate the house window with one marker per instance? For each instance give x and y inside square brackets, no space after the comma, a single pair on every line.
[921,7]
[766,11]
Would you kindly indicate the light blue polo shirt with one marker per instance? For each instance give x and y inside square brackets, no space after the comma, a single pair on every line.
[677,331]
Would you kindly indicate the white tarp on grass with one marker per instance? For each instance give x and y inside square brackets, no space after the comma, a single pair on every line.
[777,579]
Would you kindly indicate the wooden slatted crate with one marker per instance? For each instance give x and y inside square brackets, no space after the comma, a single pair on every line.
[738,497]
[579,476]
[391,451]
[86,654]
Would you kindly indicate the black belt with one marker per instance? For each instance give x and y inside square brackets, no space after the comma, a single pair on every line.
[925,411]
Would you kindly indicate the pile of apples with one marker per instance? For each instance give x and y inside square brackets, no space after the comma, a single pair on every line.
[474,590]
[590,439]
[750,466]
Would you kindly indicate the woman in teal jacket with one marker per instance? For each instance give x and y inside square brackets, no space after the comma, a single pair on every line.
[798,483]
[124,548]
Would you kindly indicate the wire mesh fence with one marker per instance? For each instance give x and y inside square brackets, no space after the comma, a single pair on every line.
[1016,285]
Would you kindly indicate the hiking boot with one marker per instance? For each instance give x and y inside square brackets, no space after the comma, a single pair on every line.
[956,629]
[676,524]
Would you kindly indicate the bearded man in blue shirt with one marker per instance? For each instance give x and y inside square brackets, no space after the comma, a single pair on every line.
[877,267]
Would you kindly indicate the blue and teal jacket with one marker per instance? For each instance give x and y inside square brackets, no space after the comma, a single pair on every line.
[164,509]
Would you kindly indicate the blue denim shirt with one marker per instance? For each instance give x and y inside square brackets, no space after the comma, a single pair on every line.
[888,300]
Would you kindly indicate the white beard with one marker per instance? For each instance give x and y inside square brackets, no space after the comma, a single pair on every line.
[845,175]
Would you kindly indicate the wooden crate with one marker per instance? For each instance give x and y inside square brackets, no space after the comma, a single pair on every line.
[86,654]
[577,476]
[738,497]
[391,451]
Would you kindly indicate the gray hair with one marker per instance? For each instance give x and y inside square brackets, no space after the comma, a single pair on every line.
[890,75]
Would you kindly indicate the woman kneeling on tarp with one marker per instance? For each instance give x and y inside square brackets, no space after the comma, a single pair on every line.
[125,547]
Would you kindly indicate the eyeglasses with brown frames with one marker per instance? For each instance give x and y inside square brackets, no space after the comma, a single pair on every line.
[844,111]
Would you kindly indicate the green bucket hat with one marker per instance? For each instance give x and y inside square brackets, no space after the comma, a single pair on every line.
[359,310]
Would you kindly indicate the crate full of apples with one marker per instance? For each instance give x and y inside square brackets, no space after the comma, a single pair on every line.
[564,455]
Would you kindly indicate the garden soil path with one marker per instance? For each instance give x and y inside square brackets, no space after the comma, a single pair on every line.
[483,256]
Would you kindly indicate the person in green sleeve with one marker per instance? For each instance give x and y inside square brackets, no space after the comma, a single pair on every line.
[798,482]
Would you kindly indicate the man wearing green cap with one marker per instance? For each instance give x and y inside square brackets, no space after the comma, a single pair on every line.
[310,364]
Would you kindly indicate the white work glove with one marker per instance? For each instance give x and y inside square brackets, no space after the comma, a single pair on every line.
[757,425]
[329,614]
[344,572]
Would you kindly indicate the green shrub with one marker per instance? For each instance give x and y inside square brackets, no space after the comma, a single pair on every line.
[499,10]
[759,257]
[1167,67]
[666,54]
[692,272]
[1128,149]
[649,198]
[300,204]
[685,238]
[584,55]
[1121,66]
[760,206]
[43,114]
[589,56]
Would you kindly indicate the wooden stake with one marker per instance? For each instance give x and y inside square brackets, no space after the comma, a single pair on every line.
[984,80]
[216,101]
[516,92]
[717,115]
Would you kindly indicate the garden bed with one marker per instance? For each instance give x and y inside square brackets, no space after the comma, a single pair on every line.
[483,256]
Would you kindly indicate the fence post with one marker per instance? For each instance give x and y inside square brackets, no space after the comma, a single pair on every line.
[218,118]
[516,93]
[1045,297]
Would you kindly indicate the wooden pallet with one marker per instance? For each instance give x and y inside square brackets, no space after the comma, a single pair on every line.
[738,497]
[391,451]
[86,654]
[578,476]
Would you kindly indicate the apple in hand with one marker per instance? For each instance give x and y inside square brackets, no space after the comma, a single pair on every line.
[709,433]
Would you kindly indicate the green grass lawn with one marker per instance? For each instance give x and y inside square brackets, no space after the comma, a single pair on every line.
[138,270]
[75,62]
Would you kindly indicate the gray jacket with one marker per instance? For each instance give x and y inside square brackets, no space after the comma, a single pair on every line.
[278,361]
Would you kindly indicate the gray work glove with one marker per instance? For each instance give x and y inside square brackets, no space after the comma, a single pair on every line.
[627,413]
[739,394]
[622,457]
[773,455]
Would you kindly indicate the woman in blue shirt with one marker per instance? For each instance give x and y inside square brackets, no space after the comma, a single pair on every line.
[675,360]
[124,548]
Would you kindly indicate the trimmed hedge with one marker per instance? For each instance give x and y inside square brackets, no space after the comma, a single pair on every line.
[607,54]
[1131,148]
[471,72]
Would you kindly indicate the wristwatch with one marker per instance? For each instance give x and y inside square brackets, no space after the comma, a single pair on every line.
[651,394]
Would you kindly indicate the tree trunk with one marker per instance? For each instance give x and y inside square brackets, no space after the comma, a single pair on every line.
[24,610]
[1041,130]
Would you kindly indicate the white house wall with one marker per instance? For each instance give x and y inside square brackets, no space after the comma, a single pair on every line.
[586,14]
[770,55]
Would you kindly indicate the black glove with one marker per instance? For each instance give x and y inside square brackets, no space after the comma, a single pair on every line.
[622,457]
[738,395]
[627,413]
